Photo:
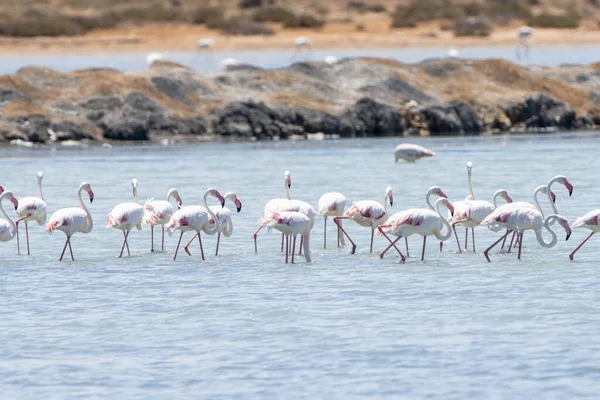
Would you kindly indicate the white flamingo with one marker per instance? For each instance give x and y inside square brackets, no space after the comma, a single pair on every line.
[332,205]
[521,219]
[292,223]
[223,214]
[411,152]
[159,212]
[8,228]
[73,219]
[31,209]
[303,208]
[588,221]
[153,57]
[274,205]
[367,213]
[205,44]
[126,216]
[301,44]
[422,221]
[196,219]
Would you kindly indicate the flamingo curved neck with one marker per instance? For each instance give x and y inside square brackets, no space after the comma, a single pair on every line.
[287,190]
[540,237]
[496,195]
[548,192]
[448,233]
[385,202]
[13,227]
[40,188]
[470,186]
[428,201]
[135,197]
[536,203]
[88,217]
[215,227]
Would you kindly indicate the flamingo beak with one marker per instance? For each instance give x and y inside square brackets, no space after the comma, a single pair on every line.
[568,229]
[442,194]
[221,199]
[91,194]
[1,190]
[451,209]
[15,202]
[569,187]
[238,205]
[179,202]
[553,196]
[289,183]
[509,199]
[391,201]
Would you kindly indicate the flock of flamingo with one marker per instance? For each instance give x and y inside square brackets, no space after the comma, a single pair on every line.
[295,218]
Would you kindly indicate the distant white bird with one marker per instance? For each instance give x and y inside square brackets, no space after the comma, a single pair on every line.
[229,62]
[31,209]
[159,212]
[152,57]
[453,53]
[126,216]
[331,60]
[205,44]
[332,205]
[301,42]
[8,228]
[411,152]
[524,33]
[72,220]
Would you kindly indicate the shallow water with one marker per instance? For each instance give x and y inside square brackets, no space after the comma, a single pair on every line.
[347,326]
[132,61]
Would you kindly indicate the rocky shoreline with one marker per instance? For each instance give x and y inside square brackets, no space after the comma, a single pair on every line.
[361,97]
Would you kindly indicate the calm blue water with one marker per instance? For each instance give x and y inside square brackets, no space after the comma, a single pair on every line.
[131,61]
[244,326]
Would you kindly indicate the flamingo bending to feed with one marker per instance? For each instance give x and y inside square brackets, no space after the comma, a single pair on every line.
[275,205]
[31,209]
[420,221]
[411,152]
[523,219]
[588,221]
[8,228]
[303,208]
[159,212]
[73,219]
[292,223]
[126,216]
[195,218]
[367,213]
[332,205]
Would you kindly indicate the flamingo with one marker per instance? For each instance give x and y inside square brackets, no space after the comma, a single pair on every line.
[588,221]
[303,208]
[330,59]
[292,223]
[274,205]
[521,219]
[229,62]
[470,212]
[223,214]
[332,205]
[31,209]
[422,221]
[73,219]
[301,43]
[8,228]
[195,218]
[153,57]
[205,44]
[126,216]
[411,152]
[367,213]
[524,33]
[159,212]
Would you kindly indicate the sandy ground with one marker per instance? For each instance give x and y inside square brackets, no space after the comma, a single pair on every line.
[182,37]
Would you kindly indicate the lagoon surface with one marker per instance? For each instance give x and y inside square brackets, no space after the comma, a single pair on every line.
[346,326]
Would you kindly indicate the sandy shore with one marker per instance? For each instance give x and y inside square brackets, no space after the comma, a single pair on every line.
[183,37]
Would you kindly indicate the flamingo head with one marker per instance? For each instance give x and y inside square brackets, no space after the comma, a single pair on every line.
[40,175]
[13,200]
[469,167]
[1,189]
[443,201]
[504,194]
[233,197]
[568,185]
[175,194]
[390,195]
[437,191]
[288,179]
[86,187]
[215,193]
[553,195]
[564,223]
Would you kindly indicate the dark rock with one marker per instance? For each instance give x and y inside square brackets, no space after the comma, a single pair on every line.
[398,88]
[142,102]
[450,118]
[311,121]
[102,103]
[67,130]
[369,118]
[9,94]
[179,89]
[169,124]
[35,128]
[248,119]
[126,129]
[541,111]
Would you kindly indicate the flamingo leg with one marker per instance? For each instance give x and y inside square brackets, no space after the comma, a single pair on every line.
[485,253]
[64,249]
[201,249]
[294,248]
[282,242]
[301,241]
[504,241]
[127,243]
[466,237]
[70,249]
[18,244]
[177,249]
[578,247]
[218,240]
[186,247]
[335,221]
[123,247]
[338,237]
[372,234]
[406,243]
[423,252]
[324,234]
[286,248]
[152,238]
[255,236]
[456,236]
[520,245]
[27,237]
[162,228]
[473,236]
[511,241]
[391,244]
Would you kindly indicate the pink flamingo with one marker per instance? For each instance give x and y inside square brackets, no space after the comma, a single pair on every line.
[411,152]
[31,209]
[523,219]
[304,208]
[126,216]
[332,205]
[8,228]
[223,214]
[292,223]
[72,220]
[274,205]
[588,221]
[367,213]
[159,212]
[196,219]
[420,221]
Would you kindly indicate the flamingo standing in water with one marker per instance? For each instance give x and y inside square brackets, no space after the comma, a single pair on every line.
[332,205]
[73,219]
[521,219]
[8,228]
[159,212]
[303,208]
[292,223]
[126,216]
[367,213]
[274,205]
[195,218]
[223,215]
[421,221]
[588,221]
[31,209]
[411,152]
